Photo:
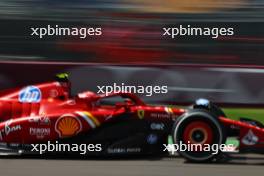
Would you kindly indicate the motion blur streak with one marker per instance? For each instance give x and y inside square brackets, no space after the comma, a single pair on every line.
[190,6]
[222,84]
[132,31]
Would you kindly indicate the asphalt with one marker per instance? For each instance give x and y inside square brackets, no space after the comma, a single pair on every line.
[239,165]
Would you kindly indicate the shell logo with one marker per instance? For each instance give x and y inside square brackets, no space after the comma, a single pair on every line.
[68,125]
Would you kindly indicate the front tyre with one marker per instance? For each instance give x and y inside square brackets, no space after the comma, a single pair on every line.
[200,133]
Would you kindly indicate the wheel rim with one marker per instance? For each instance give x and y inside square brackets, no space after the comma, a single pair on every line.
[198,132]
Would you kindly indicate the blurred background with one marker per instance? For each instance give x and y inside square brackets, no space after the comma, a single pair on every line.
[132,31]
[226,70]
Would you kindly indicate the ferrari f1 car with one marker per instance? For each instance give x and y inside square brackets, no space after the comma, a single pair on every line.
[120,122]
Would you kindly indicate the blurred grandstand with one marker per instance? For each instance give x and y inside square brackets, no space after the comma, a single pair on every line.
[132,31]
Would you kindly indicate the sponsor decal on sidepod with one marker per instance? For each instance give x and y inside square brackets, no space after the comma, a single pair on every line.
[68,125]
[39,132]
[9,129]
[30,94]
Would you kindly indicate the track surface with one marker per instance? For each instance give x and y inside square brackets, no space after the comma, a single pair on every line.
[238,166]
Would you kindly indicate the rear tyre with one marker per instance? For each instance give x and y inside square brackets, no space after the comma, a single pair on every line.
[202,134]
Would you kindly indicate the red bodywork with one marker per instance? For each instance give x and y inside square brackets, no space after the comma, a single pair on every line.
[58,115]
[55,114]
[245,130]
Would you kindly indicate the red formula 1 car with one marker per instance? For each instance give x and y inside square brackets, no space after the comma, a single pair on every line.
[48,114]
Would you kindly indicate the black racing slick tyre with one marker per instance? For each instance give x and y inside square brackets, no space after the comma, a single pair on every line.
[198,136]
